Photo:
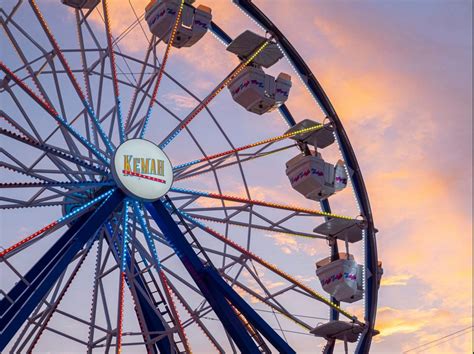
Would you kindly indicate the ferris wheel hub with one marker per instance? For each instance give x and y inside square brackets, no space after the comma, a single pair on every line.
[142,170]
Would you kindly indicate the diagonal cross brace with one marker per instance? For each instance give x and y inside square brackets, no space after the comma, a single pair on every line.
[152,322]
[44,274]
[216,291]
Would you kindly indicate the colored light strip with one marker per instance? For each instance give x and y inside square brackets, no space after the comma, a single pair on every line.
[56,222]
[306,328]
[198,322]
[114,71]
[137,88]
[262,142]
[52,112]
[157,264]
[213,94]
[56,303]
[72,78]
[47,148]
[267,265]
[125,234]
[258,227]
[179,324]
[257,202]
[151,245]
[123,268]
[162,68]
[120,314]
[66,185]
[131,173]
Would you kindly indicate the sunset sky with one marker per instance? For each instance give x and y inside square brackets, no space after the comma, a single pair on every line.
[399,74]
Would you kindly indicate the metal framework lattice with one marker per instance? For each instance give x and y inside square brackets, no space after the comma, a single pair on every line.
[189,270]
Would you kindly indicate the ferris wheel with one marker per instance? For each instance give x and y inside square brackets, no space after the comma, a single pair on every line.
[131,223]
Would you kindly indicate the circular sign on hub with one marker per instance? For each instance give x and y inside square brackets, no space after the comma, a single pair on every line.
[142,170]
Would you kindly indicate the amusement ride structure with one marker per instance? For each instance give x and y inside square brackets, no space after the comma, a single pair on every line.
[139,248]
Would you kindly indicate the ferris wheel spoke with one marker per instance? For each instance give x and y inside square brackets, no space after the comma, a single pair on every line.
[37,82]
[67,138]
[136,125]
[113,69]
[221,162]
[270,298]
[249,146]
[97,282]
[177,319]
[257,202]
[139,84]
[223,299]
[272,228]
[174,314]
[16,125]
[62,168]
[85,75]
[49,200]
[212,95]
[23,114]
[123,268]
[26,172]
[196,318]
[162,67]
[265,301]
[25,62]
[70,75]
[164,280]
[59,222]
[54,306]
[48,149]
[66,185]
[51,111]
[46,184]
[59,127]
[269,266]
[145,89]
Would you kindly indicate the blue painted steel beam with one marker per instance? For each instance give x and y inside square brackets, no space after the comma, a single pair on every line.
[195,268]
[205,277]
[333,313]
[249,313]
[152,321]
[219,32]
[44,274]
[350,159]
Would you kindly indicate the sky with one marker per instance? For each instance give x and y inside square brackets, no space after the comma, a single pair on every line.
[399,74]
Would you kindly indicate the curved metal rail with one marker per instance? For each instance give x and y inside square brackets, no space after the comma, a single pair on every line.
[349,157]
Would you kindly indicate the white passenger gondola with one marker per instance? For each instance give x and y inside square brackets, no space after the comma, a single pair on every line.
[258,92]
[342,229]
[253,89]
[341,330]
[319,138]
[316,179]
[342,278]
[81,4]
[161,16]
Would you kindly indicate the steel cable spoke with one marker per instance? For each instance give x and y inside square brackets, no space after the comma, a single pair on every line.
[59,222]
[71,76]
[212,95]
[162,68]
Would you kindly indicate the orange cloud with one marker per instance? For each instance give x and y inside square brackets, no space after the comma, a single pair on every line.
[395,280]
[419,324]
